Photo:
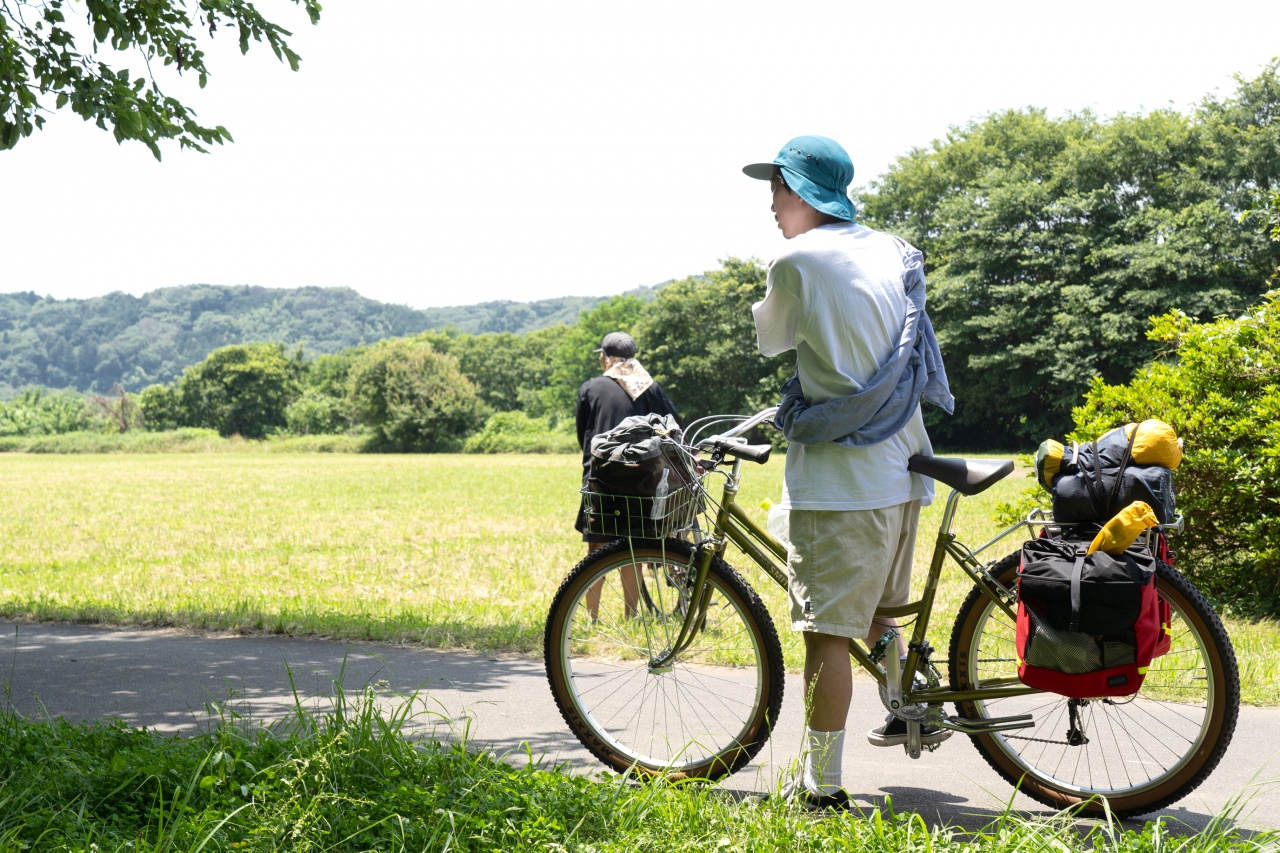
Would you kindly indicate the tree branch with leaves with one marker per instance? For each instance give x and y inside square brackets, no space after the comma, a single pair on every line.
[104,71]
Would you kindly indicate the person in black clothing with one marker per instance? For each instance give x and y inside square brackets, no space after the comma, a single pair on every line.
[624,389]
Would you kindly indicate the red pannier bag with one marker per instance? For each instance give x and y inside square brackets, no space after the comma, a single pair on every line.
[1165,555]
[1088,625]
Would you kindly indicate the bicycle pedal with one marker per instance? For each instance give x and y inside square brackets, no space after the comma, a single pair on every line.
[922,748]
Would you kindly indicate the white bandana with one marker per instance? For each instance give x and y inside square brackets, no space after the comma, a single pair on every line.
[633,378]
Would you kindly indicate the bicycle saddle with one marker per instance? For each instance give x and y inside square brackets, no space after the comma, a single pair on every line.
[966,476]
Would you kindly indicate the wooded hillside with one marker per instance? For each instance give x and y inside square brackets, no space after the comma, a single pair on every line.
[135,341]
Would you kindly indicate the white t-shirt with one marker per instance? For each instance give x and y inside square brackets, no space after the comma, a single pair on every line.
[837,300]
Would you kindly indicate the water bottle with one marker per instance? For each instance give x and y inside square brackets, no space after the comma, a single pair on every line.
[660,497]
[778,524]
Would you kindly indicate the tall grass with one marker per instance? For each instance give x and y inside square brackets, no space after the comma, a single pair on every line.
[185,440]
[446,550]
[351,780]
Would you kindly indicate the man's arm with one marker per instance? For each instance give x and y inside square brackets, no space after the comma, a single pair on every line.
[778,314]
[583,416]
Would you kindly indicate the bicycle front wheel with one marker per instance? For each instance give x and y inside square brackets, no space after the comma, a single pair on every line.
[1140,752]
[703,715]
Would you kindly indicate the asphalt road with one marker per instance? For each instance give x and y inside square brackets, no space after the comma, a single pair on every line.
[176,681]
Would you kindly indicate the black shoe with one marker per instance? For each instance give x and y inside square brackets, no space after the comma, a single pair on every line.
[809,801]
[894,732]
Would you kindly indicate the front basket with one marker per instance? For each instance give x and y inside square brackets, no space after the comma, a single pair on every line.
[639,516]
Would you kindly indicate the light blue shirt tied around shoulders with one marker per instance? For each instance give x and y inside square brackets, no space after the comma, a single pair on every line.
[884,405]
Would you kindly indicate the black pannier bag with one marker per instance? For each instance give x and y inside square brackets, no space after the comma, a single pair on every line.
[639,480]
[1088,624]
[1094,481]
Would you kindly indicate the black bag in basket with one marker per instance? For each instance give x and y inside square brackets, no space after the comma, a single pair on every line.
[638,479]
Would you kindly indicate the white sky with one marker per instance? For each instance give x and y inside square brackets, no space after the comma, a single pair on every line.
[435,153]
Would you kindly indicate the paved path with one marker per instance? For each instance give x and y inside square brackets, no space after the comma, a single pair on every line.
[169,681]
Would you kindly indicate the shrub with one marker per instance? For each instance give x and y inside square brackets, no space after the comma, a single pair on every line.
[413,398]
[1222,394]
[345,443]
[316,413]
[37,411]
[161,407]
[516,432]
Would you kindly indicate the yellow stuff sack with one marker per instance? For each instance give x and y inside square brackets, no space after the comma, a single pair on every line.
[1124,528]
[1048,461]
[1155,443]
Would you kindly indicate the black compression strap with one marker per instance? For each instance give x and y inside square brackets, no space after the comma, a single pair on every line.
[1077,573]
[1113,498]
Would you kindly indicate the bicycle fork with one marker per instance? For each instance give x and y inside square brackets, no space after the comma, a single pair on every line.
[695,616]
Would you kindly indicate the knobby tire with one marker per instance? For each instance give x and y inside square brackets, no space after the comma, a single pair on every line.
[704,716]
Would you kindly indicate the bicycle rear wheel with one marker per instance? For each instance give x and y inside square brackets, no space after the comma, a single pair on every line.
[1140,752]
[704,715]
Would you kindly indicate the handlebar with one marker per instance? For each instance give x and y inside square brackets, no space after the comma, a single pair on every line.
[730,442]
[737,447]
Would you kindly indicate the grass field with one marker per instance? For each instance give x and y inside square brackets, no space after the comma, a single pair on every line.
[444,550]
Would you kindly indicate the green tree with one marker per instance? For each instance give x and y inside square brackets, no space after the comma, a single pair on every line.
[1268,218]
[1049,243]
[509,370]
[241,390]
[328,373]
[701,343]
[46,64]
[1220,390]
[161,407]
[413,398]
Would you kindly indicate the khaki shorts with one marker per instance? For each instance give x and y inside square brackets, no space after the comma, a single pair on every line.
[844,564]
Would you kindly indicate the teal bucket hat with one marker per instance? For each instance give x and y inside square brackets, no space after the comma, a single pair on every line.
[817,169]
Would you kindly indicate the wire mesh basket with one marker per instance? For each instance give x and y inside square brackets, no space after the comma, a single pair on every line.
[641,516]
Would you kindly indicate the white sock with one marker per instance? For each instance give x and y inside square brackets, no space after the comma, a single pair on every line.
[823,754]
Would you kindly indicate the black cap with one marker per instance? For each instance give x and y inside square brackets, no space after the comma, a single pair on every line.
[618,344]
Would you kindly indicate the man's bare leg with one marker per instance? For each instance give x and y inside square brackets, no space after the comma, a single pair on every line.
[630,588]
[879,626]
[828,680]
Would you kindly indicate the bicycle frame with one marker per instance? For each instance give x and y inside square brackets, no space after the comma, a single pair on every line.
[732,525]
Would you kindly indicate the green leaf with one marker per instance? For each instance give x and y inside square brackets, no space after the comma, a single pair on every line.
[101,29]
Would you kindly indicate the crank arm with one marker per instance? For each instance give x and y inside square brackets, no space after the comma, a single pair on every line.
[967,726]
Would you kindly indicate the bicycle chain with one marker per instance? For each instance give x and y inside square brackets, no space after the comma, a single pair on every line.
[1037,740]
